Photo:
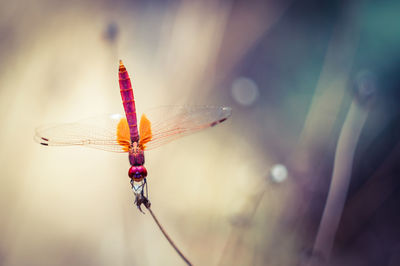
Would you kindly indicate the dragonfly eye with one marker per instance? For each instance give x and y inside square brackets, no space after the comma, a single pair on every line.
[137,173]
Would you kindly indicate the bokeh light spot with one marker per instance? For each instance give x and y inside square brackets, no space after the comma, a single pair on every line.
[245,91]
[365,86]
[279,173]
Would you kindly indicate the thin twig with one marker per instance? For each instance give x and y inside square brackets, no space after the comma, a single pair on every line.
[168,238]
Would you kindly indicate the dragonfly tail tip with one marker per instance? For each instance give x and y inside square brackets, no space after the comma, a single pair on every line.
[121,66]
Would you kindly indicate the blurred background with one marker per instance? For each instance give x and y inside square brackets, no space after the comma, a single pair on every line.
[250,191]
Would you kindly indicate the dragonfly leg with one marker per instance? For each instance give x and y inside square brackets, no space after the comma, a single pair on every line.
[145,183]
[140,198]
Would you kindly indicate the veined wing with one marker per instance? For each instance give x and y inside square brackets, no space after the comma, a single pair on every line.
[171,122]
[97,132]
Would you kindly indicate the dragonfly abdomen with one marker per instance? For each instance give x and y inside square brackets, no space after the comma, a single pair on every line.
[128,101]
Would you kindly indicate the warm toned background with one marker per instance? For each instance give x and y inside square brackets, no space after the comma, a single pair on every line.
[287,68]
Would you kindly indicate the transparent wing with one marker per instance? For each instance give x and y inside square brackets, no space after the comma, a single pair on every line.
[97,132]
[171,122]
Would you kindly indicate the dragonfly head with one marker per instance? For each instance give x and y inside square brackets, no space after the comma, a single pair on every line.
[137,173]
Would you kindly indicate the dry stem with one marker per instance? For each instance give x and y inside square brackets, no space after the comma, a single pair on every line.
[168,238]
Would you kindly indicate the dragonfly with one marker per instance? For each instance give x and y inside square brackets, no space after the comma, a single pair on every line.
[121,133]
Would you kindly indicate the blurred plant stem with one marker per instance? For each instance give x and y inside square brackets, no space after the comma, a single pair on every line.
[341,176]
[239,227]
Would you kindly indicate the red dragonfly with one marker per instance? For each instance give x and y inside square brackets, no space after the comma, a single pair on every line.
[119,133]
